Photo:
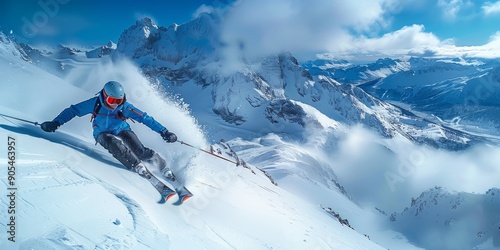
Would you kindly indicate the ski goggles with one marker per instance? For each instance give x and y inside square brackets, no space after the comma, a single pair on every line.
[112,100]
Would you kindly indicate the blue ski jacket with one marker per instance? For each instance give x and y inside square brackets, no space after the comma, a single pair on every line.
[106,120]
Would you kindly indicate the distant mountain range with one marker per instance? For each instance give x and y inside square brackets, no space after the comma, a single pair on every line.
[462,93]
[56,60]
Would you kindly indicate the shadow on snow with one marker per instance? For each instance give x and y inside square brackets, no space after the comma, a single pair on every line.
[66,140]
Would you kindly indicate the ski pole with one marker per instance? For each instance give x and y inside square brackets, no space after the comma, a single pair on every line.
[208,152]
[19,119]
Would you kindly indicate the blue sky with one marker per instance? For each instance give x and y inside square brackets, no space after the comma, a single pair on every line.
[344,28]
[88,22]
[464,21]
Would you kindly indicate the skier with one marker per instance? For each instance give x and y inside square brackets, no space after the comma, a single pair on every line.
[110,110]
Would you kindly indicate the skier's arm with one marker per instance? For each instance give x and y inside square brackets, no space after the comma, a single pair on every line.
[130,111]
[80,109]
[136,114]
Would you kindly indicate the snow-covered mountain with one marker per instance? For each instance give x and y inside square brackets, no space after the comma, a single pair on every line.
[406,72]
[58,60]
[344,71]
[272,90]
[101,51]
[12,48]
[459,92]
[439,219]
[45,62]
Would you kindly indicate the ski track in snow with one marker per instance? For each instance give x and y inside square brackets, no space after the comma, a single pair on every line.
[83,181]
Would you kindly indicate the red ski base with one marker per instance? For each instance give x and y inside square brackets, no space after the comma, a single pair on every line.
[169,196]
[186,197]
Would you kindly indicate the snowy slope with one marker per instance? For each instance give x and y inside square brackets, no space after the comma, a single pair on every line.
[72,194]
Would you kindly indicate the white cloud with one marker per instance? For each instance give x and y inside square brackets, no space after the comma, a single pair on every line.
[203,9]
[264,26]
[409,37]
[400,43]
[488,50]
[452,7]
[389,179]
[491,8]
[345,29]
[414,41]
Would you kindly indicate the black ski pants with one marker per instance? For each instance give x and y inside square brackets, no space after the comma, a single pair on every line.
[125,147]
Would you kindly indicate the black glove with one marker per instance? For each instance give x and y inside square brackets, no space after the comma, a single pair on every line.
[168,136]
[50,126]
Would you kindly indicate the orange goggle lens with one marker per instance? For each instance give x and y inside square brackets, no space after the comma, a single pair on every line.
[112,100]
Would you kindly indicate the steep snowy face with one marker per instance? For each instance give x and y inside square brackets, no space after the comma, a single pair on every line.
[192,53]
[11,47]
[439,219]
[159,46]
[137,40]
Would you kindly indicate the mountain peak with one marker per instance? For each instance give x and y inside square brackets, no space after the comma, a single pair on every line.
[387,61]
[9,46]
[111,44]
[146,22]
[493,192]
[158,44]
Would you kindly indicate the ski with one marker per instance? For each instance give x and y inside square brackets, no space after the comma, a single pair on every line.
[184,195]
[182,191]
[165,191]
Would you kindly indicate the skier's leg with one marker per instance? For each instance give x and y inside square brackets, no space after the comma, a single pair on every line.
[133,142]
[118,149]
[142,152]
